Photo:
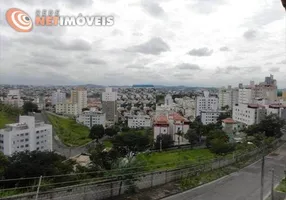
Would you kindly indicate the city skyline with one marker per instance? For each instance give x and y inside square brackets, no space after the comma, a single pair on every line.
[162,42]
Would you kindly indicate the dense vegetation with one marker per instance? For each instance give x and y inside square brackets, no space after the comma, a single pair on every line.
[8,114]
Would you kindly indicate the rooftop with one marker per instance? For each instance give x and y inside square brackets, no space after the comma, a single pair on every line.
[228,121]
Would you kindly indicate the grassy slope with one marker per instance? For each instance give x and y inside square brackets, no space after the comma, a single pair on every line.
[171,159]
[5,118]
[70,132]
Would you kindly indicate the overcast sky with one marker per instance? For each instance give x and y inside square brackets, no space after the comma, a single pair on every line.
[170,42]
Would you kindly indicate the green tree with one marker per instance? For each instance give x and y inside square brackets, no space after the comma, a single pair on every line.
[111,131]
[271,126]
[216,134]
[167,141]
[102,159]
[96,132]
[3,163]
[30,107]
[193,137]
[35,164]
[220,146]
[127,142]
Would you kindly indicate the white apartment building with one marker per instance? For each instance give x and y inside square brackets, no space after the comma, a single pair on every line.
[228,97]
[14,98]
[168,100]
[246,96]
[79,97]
[278,109]
[109,105]
[28,134]
[249,114]
[58,97]
[67,109]
[209,116]
[91,118]
[206,102]
[139,121]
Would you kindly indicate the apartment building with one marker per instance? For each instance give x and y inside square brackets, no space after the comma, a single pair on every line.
[67,109]
[228,97]
[210,116]
[91,118]
[249,114]
[246,96]
[139,121]
[206,102]
[14,98]
[277,109]
[58,97]
[27,135]
[79,97]
[109,105]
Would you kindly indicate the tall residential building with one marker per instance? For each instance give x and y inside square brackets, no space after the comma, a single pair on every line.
[249,114]
[168,100]
[209,116]
[206,102]
[91,118]
[67,109]
[28,135]
[246,96]
[58,97]
[109,105]
[139,121]
[79,97]
[228,97]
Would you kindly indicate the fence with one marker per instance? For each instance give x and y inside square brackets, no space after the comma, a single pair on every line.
[114,187]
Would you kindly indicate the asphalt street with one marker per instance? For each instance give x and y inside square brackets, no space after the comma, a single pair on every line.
[242,185]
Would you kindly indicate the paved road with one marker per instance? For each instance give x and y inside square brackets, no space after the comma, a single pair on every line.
[58,146]
[242,185]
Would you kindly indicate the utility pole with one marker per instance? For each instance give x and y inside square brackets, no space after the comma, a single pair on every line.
[272,184]
[161,142]
[262,178]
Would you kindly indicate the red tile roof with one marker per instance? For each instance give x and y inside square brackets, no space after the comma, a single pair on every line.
[177,117]
[161,120]
[228,121]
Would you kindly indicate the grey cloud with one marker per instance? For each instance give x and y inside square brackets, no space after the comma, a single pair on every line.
[51,62]
[250,34]
[282,62]
[201,52]
[137,34]
[69,3]
[152,7]
[251,69]
[188,66]
[74,45]
[55,43]
[182,75]
[274,69]
[227,70]
[48,58]
[113,74]
[224,48]
[268,63]
[116,32]
[94,61]
[154,46]
[135,66]
[206,6]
